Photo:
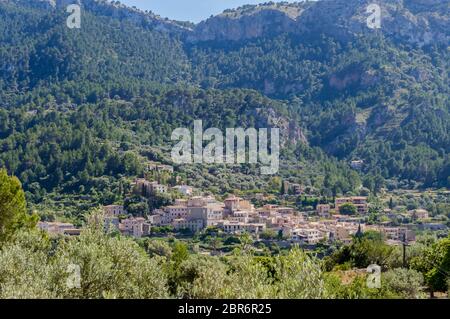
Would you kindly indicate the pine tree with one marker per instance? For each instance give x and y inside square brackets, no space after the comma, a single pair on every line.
[13,213]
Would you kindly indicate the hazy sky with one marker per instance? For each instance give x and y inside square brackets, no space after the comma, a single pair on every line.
[189,10]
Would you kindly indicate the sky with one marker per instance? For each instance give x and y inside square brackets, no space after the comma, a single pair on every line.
[189,10]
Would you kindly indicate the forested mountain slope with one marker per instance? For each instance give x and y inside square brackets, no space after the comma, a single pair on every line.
[79,107]
[376,95]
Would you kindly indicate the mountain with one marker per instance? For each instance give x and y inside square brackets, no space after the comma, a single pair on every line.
[116,44]
[376,95]
[110,9]
[420,22]
[82,109]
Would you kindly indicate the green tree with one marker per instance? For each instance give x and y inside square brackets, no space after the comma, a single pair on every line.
[156,247]
[268,234]
[298,275]
[32,266]
[25,268]
[348,209]
[406,283]
[391,203]
[434,264]
[363,251]
[202,277]
[13,207]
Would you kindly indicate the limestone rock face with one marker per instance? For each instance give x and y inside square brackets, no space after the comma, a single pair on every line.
[290,131]
[225,27]
[419,22]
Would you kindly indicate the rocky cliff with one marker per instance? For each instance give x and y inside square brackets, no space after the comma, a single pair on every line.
[342,19]
[419,22]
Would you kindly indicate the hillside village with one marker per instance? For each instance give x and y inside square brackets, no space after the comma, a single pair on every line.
[98,199]
[194,211]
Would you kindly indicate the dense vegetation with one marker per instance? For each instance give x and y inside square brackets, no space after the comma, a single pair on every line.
[362,99]
[13,207]
[107,265]
[82,110]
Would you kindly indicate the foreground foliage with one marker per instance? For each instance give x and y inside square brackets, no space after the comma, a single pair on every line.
[35,266]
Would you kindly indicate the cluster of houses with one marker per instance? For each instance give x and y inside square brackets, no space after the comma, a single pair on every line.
[233,215]
[414,215]
[342,228]
[360,203]
[236,215]
[146,188]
